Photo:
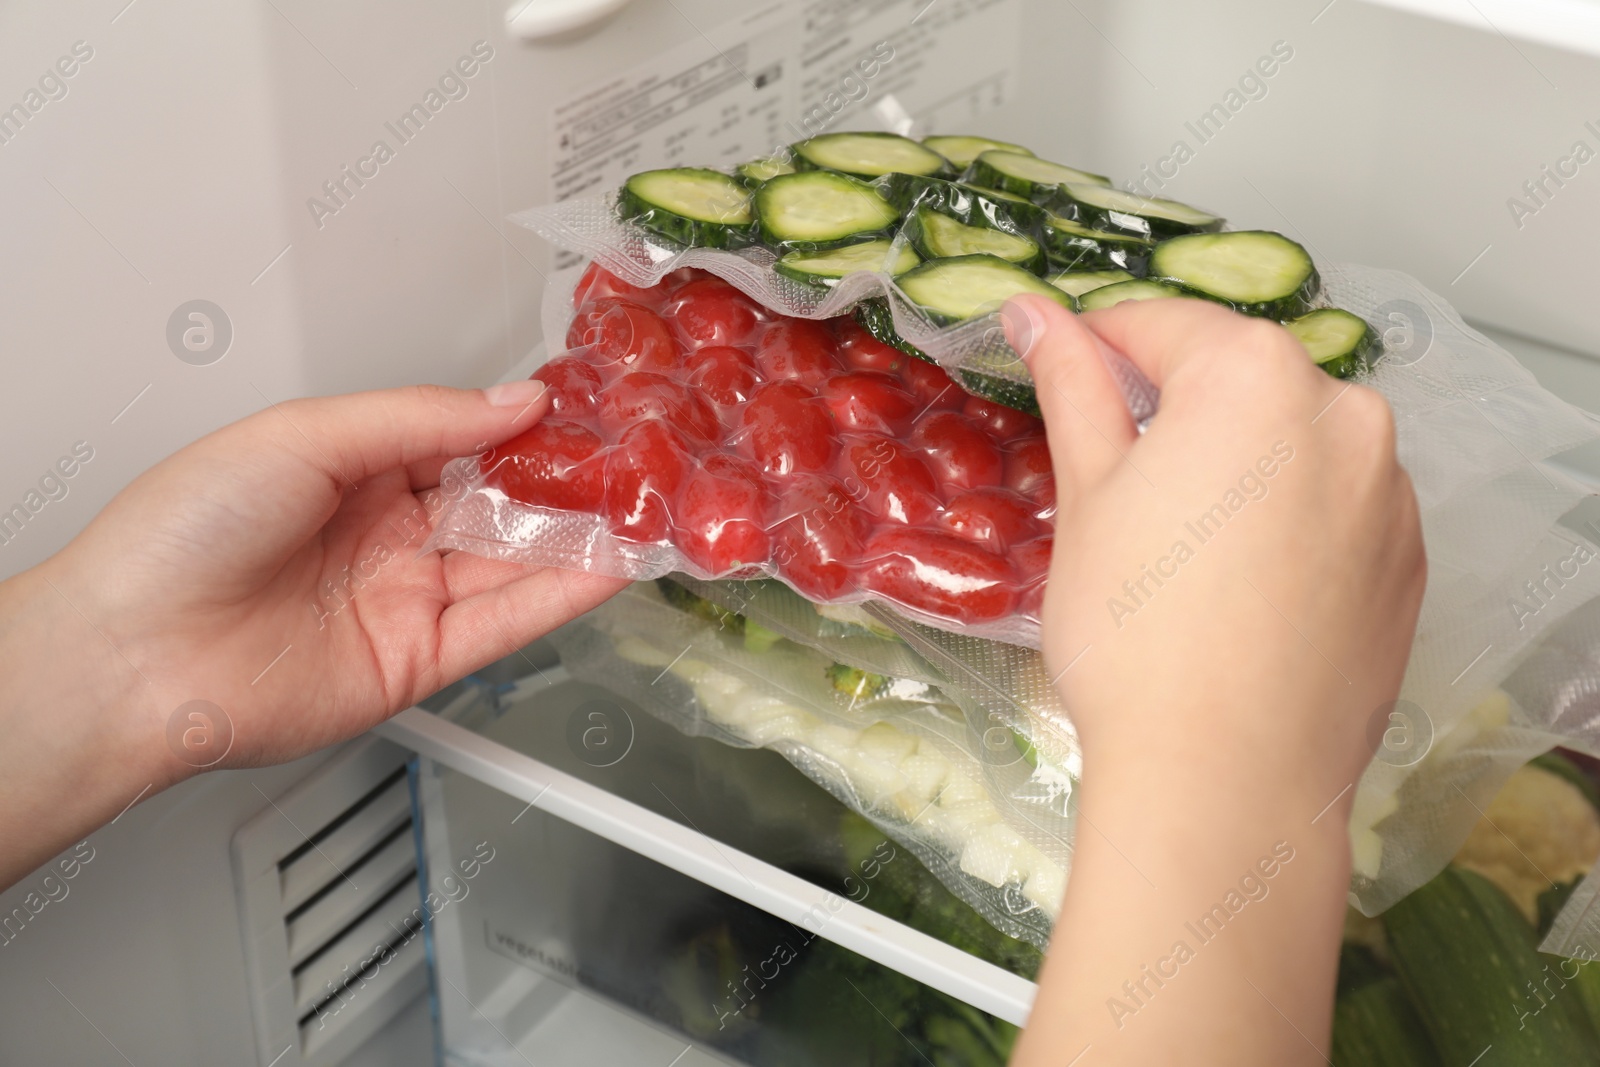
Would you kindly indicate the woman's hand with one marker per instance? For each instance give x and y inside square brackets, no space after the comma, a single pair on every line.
[1231,599]
[272,571]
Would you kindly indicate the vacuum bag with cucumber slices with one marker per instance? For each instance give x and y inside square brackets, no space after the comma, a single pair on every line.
[985,807]
[866,247]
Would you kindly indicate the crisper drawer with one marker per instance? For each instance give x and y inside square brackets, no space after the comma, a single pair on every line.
[661,899]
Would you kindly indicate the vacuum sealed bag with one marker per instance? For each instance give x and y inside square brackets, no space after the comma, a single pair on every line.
[919,243]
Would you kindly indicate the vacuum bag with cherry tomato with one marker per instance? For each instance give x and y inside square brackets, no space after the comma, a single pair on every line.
[690,429]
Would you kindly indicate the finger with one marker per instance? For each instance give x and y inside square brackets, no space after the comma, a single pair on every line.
[1161,336]
[467,575]
[355,436]
[1087,420]
[483,628]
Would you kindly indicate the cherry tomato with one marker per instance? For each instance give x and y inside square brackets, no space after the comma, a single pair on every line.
[642,476]
[1028,469]
[818,536]
[644,395]
[932,386]
[862,351]
[869,402]
[551,465]
[623,333]
[721,516]
[572,384]
[726,375]
[709,311]
[677,279]
[597,283]
[787,429]
[959,453]
[1003,423]
[938,573]
[797,348]
[995,518]
[889,479]
[1031,561]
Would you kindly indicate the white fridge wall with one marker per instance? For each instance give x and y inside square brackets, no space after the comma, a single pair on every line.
[179,163]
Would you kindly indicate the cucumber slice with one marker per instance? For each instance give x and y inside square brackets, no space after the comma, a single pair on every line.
[876,318]
[868,155]
[964,287]
[690,206]
[961,150]
[1026,174]
[757,171]
[998,194]
[1338,342]
[1103,208]
[1078,282]
[1072,246]
[826,268]
[1257,271]
[1110,295]
[965,203]
[818,209]
[937,236]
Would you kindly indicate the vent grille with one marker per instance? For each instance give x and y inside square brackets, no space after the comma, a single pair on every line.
[327,882]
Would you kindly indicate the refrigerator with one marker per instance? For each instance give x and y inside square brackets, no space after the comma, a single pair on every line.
[214,207]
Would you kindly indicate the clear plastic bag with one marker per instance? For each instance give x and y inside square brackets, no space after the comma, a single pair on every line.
[994,826]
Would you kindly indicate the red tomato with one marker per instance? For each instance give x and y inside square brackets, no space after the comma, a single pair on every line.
[1028,469]
[960,454]
[1003,423]
[597,283]
[709,311]
[643,395]
[619,332]
[932,386]
[868,402]
[643,473]
[572,384]
[552,465]
[797,348]
[726,375]
[889,479]
[994,518]
[721,516]
[676,280]
[939,574]
[787,429]
[862,351]
[818,536]
[1031,561]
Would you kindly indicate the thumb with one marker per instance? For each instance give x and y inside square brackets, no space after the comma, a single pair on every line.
[1087,421]
[361,434]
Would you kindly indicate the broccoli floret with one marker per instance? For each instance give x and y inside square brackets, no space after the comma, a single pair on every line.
[856,683]
[758,638]
[698,606]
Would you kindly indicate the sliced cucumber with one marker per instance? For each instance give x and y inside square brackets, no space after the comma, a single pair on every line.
[1101,207]
[875,317]
[974,206]
[1078,282]
[937,236]
[690,206]
[998,194]
[961,150]
[869,155]
[818,209]
[1339,342]
[964,287]
[1026,174]
[1110,295]
[826,268]
[1257,271]
[1073,246]
[757,171]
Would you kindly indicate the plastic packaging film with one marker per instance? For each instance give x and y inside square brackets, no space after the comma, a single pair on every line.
[1502,666]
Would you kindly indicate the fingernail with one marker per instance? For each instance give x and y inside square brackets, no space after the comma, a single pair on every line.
[1023,327]
[514,394]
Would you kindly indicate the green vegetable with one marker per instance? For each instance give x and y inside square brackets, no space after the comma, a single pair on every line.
[937,236]
[698,606]
[757,171]
[962,150]
[1562,767]
[758,638]
[963,287]
[868,155]
[1101,207]
[1078,282]
[856,683]
[970,204]
[815,210]
[1468,959]
[1025,174]
[689,206]
[826,268]
[875,317]
[1376,1025]
[1072,246]
[1257,271]
[1337,341]
[1111,295]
